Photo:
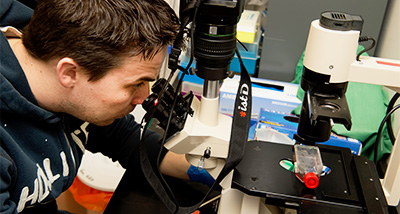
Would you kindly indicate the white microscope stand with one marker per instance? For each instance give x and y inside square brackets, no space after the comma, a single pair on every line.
[206,129]
[210,129]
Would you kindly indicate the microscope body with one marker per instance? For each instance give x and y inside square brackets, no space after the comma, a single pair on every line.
[213,47]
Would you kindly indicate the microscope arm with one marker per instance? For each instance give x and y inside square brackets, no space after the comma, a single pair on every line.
[376,70]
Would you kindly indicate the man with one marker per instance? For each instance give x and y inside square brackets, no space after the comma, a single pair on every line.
[67,84]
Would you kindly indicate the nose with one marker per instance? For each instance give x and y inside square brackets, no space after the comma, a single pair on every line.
[141,94]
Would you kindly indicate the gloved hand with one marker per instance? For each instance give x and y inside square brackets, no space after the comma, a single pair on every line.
[202,176]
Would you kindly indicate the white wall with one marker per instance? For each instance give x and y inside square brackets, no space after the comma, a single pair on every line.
[389,44]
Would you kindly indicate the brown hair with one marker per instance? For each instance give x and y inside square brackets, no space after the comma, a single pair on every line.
[98,33]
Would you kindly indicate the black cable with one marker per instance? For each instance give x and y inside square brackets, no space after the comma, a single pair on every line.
[364,39]
[378,137]
[389,121]
[239,56]
[164,137]
[242,45]
[146,119]
[193,28]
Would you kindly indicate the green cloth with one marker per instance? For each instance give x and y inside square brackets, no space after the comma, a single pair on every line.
[367,104]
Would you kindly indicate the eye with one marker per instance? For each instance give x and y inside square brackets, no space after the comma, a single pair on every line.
[136,86]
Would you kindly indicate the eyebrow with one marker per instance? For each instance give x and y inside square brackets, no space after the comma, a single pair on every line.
[145,79]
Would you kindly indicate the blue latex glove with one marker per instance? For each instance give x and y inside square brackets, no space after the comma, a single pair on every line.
[201,176]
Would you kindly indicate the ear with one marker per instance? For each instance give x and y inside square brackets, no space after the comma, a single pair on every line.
[67,70]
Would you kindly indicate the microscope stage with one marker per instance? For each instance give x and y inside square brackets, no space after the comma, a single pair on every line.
[352,186]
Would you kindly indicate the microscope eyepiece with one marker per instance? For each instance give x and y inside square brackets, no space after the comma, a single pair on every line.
[215,37]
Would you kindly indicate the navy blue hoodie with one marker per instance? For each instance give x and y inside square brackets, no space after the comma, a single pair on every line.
[40,151]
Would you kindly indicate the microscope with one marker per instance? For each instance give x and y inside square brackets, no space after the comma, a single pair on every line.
[204,135]
[330,61]
[259,184]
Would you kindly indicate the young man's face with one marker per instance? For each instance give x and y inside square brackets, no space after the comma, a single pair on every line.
[118,92]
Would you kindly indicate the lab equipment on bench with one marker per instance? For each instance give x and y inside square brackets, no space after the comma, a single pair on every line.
[259,184]
[353,186]
[330,61]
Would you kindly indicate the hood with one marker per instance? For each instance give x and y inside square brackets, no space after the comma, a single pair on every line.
[16,95]
[15,13]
